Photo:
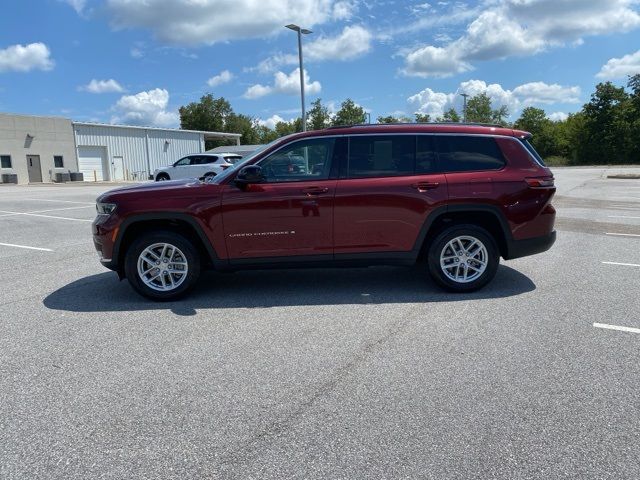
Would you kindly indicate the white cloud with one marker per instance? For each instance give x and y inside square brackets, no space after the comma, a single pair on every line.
[540,92]
[436,103]
[271,121]
[210,21]
[102,86]
[286,84]
[23,58]
[353,42]
[145,108]
[558,116]
[521,27]
[223,77]
[136,52]
[620,67]
[78,5]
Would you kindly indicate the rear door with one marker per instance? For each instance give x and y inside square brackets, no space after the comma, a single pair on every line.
[388,188]
[291,213]
[471,163]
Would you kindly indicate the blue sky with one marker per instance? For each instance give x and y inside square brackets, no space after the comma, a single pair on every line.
[138,61]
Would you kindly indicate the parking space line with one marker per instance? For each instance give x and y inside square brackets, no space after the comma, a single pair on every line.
[8,213]
[57,218]
[622,264]
[621,216]
[616,327]
[623,234]
[26,247]
[60,201]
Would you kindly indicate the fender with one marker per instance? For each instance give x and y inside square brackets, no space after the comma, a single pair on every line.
[462,208]
[145,217]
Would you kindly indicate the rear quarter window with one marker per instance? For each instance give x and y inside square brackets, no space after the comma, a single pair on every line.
[467,153]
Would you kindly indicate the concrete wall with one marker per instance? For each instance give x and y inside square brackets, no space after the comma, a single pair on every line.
[49,136]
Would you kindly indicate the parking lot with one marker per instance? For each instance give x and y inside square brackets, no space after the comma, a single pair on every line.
[336,373]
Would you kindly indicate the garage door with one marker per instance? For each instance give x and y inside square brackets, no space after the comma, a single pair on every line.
[91,162]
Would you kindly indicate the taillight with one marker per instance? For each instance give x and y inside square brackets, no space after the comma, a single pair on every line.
[542,182]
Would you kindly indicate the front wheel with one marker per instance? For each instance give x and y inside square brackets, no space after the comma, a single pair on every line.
[162,265]
[463,258]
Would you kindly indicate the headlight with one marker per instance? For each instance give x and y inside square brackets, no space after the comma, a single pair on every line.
[105,208]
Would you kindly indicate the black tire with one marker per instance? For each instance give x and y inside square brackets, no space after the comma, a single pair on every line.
[187,250]
[440,243]
[162,177]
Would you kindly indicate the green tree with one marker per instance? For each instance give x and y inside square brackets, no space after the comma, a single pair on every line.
[479,110]
[349,114]
[388,119]
[449,116]
[606,128]
[318,116]
[243,124]
[422,117]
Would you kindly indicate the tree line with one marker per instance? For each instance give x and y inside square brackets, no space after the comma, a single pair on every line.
[605,131]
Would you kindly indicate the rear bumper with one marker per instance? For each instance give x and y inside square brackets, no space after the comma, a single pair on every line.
[530,246]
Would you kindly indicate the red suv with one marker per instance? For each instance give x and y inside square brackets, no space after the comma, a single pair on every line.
[454,197]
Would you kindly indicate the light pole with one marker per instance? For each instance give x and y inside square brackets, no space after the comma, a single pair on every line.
[301,31]
[464,108]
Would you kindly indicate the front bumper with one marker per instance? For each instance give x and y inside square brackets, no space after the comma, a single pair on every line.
[104,232]
[530,246]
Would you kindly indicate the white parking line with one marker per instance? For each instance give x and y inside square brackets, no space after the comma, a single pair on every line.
[27,247]
[8,213]
[57,218]
[616,327]
[621,216]
[61,201]
[623,234]
[622,264]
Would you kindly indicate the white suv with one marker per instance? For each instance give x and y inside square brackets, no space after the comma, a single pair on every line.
[196,166]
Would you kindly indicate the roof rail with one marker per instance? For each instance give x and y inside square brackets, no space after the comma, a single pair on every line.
[468,124]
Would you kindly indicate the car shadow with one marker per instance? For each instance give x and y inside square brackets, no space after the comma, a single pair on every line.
[278,288]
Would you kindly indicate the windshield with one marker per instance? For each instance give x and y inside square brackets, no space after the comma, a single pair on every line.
[241,163]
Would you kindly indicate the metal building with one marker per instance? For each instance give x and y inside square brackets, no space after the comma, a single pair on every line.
[36,149]
[117,152]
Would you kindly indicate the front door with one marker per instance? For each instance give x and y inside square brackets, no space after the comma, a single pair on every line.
[291,212]
[33,167]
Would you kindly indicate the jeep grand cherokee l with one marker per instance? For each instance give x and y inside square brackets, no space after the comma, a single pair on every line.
[454,198]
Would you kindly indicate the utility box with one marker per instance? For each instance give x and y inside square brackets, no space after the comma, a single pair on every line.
[62,177]
[76,177]
[10,178]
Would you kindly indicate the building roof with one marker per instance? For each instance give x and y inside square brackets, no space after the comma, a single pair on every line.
[206,134]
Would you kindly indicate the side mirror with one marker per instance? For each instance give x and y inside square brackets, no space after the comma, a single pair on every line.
[249,174]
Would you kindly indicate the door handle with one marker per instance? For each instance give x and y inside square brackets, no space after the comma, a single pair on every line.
[315,190]
[424,186]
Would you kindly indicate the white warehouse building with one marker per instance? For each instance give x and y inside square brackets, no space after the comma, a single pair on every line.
[36,149]
[116,152]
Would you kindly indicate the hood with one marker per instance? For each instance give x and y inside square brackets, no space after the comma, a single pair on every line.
[171,188]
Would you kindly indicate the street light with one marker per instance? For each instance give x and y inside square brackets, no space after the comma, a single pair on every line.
[301,31]
[464,108]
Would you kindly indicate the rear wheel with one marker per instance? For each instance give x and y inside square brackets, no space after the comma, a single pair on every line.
[463,258]
[162,265]
[162,177]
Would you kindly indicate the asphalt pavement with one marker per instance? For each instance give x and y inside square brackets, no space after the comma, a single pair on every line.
[333,373]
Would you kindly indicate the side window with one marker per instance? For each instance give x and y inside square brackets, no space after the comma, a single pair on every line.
[209,159]
[381,155]
[5,161]
[426,154]
[303,160]
[464,153]
[183,162]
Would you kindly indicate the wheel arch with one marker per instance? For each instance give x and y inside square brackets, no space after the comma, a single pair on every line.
[488,217]
[175,222]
